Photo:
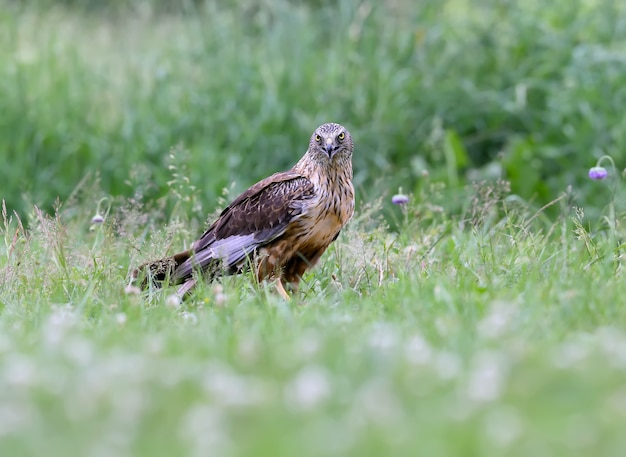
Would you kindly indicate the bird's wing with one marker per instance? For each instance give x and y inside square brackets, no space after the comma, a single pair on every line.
[255,218]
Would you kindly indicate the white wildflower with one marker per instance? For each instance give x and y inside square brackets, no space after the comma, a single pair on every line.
[487,376]
[310,387]
[173,301]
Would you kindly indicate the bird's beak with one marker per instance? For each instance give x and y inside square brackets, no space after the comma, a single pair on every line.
[330,147]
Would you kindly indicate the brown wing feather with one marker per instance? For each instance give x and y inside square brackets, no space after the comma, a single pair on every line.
[255,218]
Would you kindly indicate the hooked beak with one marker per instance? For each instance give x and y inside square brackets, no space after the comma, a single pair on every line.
[330,148]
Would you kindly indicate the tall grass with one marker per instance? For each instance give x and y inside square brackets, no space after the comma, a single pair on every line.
[465,90]
[479,334]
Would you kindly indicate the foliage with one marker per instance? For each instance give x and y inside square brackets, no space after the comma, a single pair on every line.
[528,91]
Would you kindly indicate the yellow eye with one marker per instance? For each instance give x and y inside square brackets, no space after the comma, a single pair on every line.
[341,136]
[318,138]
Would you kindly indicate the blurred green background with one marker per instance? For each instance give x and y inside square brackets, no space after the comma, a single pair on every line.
[529,91]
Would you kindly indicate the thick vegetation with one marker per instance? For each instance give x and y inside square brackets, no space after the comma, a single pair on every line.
[483,317]
[526,91]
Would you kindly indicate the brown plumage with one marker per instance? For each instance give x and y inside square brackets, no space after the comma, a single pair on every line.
[282,224]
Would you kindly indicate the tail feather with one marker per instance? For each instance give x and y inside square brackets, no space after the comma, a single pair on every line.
[160,272]
[174,270]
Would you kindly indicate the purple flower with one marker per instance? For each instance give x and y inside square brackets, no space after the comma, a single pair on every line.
[597,173]
[399,199]
[97,219]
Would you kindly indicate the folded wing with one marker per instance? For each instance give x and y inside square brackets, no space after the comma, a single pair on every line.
[257,217]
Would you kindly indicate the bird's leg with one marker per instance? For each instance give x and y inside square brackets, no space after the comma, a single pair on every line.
[266,269]
[281,289]
[293,274]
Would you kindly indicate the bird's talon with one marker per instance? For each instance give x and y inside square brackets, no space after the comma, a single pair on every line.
[281,290]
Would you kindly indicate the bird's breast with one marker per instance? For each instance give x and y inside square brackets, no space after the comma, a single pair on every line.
[327,214]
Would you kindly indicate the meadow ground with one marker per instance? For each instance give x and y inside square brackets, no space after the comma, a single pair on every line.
[476,335]
[471,321]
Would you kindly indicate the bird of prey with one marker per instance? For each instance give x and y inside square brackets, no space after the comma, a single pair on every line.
[280,226]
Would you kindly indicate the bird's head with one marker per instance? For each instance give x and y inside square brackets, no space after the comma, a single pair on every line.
[330,142]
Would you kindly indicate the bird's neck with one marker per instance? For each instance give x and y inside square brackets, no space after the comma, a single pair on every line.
[327,173]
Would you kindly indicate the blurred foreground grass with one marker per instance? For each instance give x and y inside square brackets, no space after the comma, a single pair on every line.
[480,335]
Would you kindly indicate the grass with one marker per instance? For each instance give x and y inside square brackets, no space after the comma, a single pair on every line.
[473,335]
[466,90]
[473,321]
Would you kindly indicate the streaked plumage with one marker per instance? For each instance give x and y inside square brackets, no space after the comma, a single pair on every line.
[282,224]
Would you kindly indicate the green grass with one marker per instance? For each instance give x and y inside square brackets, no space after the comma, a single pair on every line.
[475,321]
[464,89]
[470,335]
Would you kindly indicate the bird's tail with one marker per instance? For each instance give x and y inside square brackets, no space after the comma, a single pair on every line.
[158,273]
[179,269]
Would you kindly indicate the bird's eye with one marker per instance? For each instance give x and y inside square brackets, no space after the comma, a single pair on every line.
[341,136]
[318,138]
